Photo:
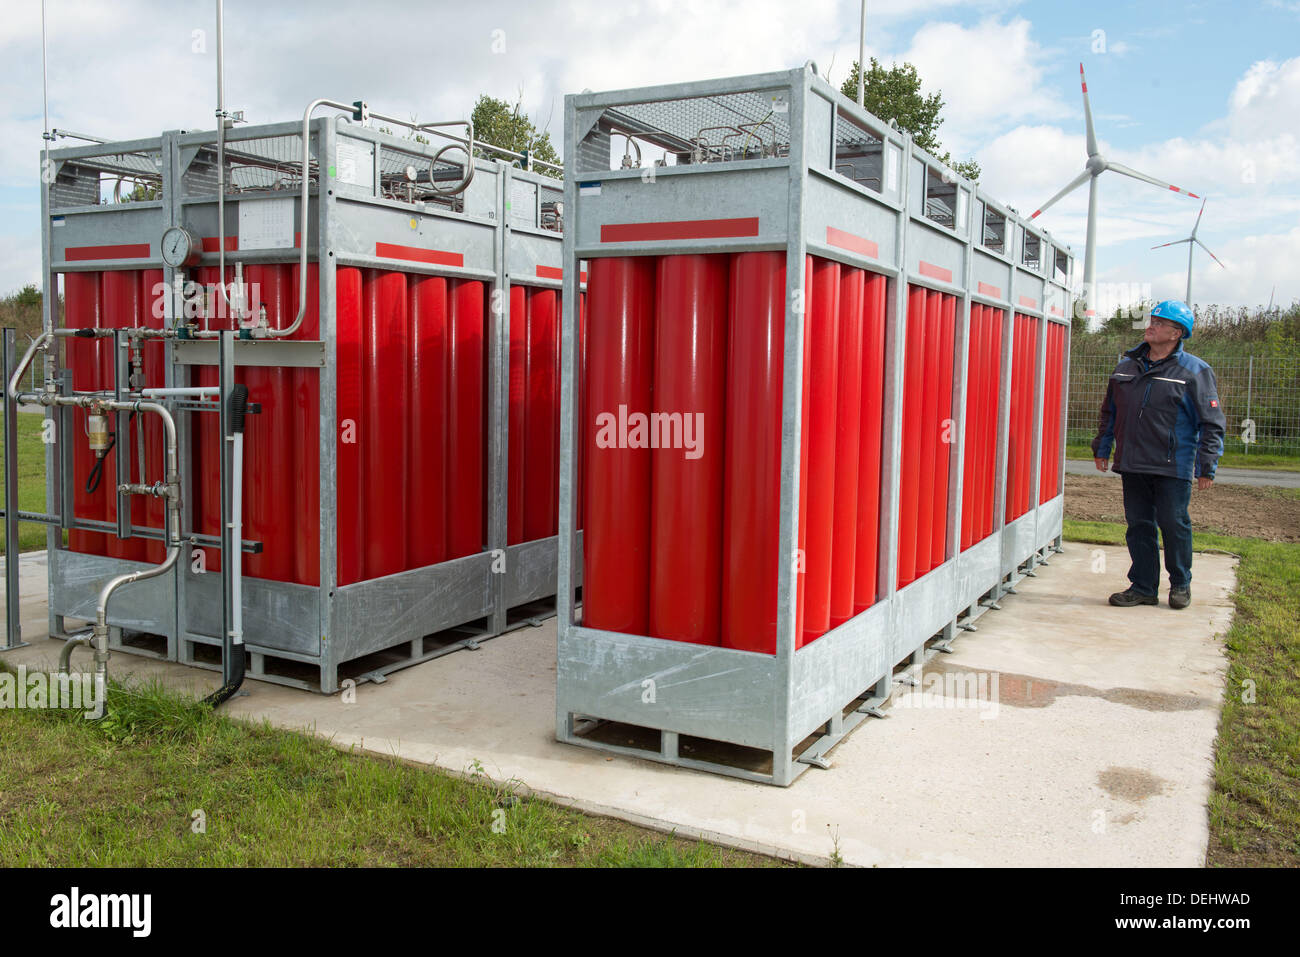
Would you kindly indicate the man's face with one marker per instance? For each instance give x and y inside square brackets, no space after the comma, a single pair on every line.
[1162,332]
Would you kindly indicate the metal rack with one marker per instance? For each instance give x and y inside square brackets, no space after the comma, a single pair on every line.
[835,183]
[502,229]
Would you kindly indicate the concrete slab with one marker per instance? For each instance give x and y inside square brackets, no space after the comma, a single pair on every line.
[1062,732]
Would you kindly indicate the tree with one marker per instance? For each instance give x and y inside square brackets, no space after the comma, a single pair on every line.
[498,123]
[895,94]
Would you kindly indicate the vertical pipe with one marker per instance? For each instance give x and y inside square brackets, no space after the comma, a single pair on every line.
[541,412]
[690,374]
[848,437]
[466,439]
[752,483]
[616,536]
[155,376]
[427,434]
[13,601]
[822,365]
[518,353]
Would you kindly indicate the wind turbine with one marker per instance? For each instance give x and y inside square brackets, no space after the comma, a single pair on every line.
[1096,165]
[1192,243]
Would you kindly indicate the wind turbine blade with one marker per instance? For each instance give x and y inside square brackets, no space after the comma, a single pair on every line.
[1070,187]
[1198,218]
[1212,256]
[1128,171]
[1087,114]
[1176,242]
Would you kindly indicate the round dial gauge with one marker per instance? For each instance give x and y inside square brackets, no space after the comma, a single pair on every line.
[178,247]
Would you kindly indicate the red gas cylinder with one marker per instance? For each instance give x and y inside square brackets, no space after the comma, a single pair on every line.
[690,374]
[427,461]
[822,368]
[867,564]
[910,466]
[542,415]
[752,484]
[848,436]
[616,544]
[465,439]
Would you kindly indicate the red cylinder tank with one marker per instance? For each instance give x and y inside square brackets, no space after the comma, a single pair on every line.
[822,368]
[752,483]
[690,374]
[867,562]
[848,436]
[910,466]
[518,399]
[465,440]
[542,415]
[427,438]
[616,543]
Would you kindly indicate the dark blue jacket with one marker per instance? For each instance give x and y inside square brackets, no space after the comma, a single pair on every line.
[1162,420]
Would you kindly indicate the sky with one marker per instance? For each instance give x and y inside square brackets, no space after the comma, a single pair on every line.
[1203,95]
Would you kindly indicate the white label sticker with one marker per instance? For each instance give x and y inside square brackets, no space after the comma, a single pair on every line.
[961,209]
[356,162]
[891,168]
[589,189]
[266,223]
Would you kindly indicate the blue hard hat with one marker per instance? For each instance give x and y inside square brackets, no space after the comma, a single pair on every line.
[1175,310]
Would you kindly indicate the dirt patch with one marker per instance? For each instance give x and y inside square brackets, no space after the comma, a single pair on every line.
[1249,511]
[1131,784]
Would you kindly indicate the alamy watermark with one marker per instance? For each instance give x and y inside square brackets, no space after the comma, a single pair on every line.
[83,691]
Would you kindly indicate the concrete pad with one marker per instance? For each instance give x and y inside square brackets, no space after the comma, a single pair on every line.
[1062,732]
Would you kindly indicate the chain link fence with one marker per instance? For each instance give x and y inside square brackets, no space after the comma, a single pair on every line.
[1260,397]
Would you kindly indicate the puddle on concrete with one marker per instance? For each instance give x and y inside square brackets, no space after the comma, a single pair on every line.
[1130,784]
[1026,691]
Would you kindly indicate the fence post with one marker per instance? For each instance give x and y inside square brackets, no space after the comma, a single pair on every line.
[1250,382]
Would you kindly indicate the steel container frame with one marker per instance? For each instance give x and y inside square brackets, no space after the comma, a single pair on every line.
[796,705]
[502,241]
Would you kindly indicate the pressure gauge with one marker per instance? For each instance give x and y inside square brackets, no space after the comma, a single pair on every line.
[179,247]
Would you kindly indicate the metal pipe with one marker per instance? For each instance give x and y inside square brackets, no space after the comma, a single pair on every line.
[862,53]
[221,154]
[202,391]
[65,653]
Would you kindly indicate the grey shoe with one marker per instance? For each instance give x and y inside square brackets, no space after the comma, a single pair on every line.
[1128,598]
[1180,597]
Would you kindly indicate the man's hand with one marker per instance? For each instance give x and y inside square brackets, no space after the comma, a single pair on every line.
[1102,464]
[1202,482]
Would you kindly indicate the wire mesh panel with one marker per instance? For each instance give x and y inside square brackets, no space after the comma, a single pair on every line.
[1260,397]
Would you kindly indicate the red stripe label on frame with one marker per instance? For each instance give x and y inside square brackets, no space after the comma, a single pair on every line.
[934,272]
[555,272]
[682,229]
[435,257]
[986,290]
[84,253]
[855,244]
[1056,311]
[1029,303]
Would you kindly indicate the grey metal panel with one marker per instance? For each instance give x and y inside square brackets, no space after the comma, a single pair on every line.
[128,224]
[527,252]
[276,614]
[932,249]
[709,692]
[990,277]
[842,664]
[819,143]
[831,203]
[707,192]
[924,606]
[76,581]
[1018,541]
[383,612]
[284,353]
[361,225]
[978,570]
[1048,525]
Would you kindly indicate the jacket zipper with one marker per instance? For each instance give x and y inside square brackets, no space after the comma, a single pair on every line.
[1146,395]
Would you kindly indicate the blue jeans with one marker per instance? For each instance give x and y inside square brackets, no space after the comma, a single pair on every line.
[1151,501]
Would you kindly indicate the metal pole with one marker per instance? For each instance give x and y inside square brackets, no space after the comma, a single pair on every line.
[226,376]
[13,600]
[862,52]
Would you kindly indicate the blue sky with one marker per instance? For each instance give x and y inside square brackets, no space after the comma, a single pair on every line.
[1205,95]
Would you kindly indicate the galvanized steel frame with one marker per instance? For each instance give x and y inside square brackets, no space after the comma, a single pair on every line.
[775,702]
[319,626]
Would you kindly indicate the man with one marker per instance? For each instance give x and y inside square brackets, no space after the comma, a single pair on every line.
[1162,413]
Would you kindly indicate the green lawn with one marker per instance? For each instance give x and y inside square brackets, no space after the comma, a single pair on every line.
[124,793]
[1255,808]
[31,480]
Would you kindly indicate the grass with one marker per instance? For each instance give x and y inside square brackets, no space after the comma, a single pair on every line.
[1255,808]
[1233,460]
[125,792]
[31,480]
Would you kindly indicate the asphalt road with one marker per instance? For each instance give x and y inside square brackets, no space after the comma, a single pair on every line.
[1225,475]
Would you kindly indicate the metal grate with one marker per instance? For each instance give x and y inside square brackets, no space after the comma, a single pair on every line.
[108,179]
[265,163]
[859,153]
[1260,397]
